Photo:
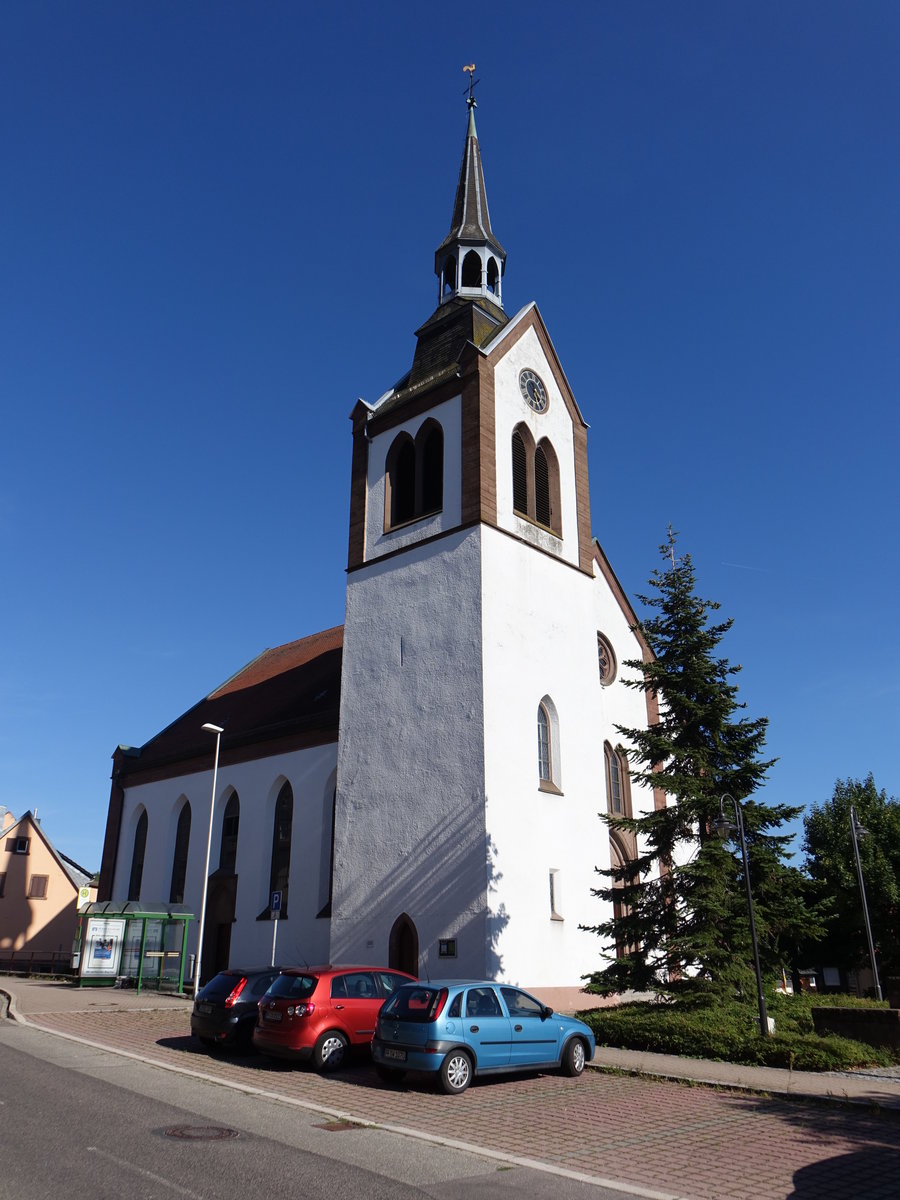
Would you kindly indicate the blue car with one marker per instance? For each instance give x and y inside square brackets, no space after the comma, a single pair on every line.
[458,1029]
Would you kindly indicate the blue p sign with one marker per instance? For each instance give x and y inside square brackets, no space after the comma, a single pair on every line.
[275,906]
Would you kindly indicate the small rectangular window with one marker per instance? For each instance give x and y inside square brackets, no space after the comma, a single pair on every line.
[2,883]
[555,904]
[22,844]
[37,888]
[447,948]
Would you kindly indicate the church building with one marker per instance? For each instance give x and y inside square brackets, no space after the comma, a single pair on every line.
[422,784]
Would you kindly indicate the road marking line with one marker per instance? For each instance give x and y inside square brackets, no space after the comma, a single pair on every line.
[127,1166]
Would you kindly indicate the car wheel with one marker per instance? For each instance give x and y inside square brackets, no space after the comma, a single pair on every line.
[389,1074]
[574,1057]
[330,1051]
[456,1072]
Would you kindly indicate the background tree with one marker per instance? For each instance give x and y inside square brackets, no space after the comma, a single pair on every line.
[683,908]
[831,867]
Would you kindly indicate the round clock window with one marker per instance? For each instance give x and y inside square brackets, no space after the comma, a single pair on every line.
[533,391]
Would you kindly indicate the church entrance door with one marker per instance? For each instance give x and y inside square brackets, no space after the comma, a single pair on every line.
[221,898]
[403,950]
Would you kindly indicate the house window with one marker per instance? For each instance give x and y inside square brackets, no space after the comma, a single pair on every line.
[180,858]
[535,478]
[137,858]
[228,845]
[618,786]
[2,883]
[606,661]
[37,887]
[414,476]
[22,844]
[279,873]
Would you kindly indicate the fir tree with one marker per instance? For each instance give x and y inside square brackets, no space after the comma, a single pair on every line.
[683,908]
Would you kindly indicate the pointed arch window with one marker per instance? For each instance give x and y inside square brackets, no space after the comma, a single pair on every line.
[400,497]
[620,859]
[414,476]
[471,270]
[279,873]
[548,746]
[535,472]
[230,825]
[180,857]
[618,784]
[137,858]
[430,464]
[543,728]
[493,277]
[448,273]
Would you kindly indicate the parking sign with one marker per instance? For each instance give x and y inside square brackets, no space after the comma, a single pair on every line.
[275,906]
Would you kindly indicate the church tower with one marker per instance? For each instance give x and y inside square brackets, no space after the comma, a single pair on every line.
[474,716]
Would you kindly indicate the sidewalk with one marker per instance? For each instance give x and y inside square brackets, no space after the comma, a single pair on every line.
[29,999]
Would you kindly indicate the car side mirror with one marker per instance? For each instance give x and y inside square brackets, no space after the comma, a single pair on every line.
[546,1012]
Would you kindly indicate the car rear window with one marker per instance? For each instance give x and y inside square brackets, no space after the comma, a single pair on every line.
[261,985]
[221,986]
[293,986]
[417,1003]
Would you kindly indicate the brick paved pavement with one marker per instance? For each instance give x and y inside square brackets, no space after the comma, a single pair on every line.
[657,1136]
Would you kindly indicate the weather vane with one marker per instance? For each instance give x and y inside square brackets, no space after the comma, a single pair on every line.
[471,88]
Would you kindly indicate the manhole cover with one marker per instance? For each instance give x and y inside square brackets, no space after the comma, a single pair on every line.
[201,1133]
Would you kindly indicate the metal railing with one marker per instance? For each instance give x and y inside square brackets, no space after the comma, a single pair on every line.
[36,962]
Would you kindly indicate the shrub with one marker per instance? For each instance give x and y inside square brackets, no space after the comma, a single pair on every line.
[729,1033]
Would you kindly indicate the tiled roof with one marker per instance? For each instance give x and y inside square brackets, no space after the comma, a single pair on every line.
[286,691]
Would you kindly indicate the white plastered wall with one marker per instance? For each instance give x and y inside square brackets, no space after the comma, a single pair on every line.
[410,814]
[554,424]
[302,937]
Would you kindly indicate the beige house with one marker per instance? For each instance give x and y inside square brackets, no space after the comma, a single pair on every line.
[40,889]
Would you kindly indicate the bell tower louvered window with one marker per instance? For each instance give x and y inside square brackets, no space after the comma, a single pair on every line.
[520,475]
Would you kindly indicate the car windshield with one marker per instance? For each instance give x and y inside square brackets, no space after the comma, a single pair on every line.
[293,986]
[417,1003]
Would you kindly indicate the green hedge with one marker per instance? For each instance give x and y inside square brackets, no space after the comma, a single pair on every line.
[729,1033]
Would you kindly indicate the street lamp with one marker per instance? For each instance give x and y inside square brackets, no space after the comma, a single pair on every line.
[856,832]
[724,828]
[218,731]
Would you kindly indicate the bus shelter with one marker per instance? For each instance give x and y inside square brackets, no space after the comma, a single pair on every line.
[131,943]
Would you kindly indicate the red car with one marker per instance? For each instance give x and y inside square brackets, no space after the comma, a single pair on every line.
[318,1013]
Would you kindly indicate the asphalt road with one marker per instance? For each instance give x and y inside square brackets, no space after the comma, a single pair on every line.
[80,1121]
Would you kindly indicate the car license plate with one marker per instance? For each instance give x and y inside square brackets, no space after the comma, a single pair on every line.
[206,1009]
[272,1016]
[397,1055]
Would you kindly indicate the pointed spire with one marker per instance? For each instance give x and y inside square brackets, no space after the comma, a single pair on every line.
[470,260]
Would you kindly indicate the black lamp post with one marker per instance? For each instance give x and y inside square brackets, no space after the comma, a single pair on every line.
[725,828]
[856,832]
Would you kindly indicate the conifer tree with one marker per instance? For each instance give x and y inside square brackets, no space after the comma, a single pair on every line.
[682,910]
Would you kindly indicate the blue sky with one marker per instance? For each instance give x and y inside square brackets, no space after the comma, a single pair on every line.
[217,227]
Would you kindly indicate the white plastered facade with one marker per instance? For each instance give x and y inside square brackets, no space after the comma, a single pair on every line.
[450,645]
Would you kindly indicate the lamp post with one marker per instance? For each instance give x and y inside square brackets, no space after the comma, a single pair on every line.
[218,731]
[856,832]
[725,829]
